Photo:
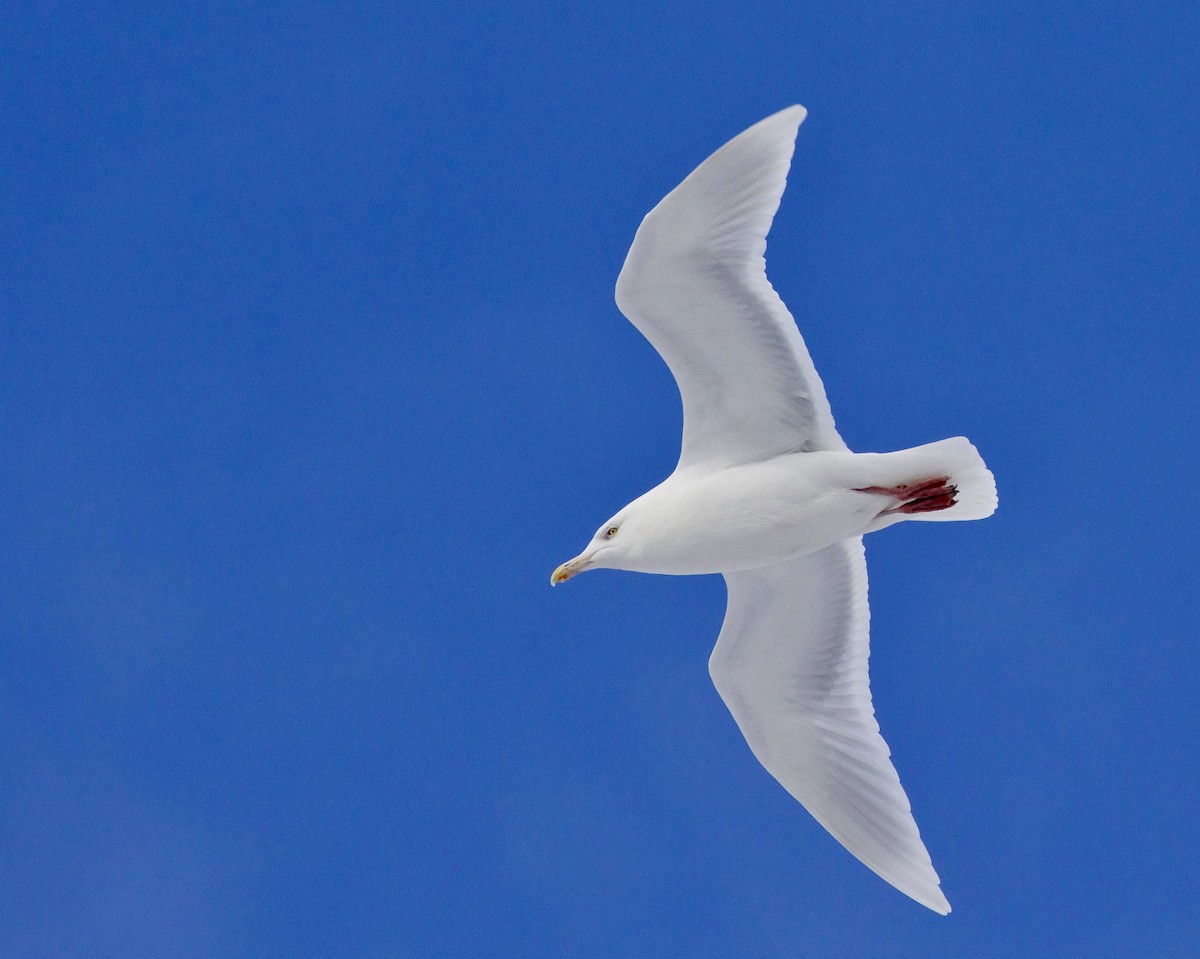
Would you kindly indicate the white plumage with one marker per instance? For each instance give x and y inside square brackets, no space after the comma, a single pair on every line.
[695,284]
[767,493]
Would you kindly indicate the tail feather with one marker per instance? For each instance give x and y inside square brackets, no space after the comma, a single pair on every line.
[957,458]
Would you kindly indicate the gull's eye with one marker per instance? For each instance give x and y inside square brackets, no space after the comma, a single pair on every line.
[610,532]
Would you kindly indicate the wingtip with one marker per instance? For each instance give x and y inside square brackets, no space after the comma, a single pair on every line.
[925,887]
[791,116]
[933,899]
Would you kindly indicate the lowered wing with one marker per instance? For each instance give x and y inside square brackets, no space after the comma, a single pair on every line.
[791,665]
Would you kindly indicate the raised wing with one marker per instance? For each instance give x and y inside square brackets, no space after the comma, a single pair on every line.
[695,284]
[791,665]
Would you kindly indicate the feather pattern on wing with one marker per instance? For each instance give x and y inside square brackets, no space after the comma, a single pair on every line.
[695,284]
[791,665]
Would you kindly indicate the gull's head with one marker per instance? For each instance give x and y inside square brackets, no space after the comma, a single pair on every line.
[607,550]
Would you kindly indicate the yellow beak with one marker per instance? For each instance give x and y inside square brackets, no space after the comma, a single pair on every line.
[569,569]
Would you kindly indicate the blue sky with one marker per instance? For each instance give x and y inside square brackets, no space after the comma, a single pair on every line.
[310,373]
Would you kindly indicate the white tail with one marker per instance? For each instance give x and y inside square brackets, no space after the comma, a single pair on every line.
[958,459]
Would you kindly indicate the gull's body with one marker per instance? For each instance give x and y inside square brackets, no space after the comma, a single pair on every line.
[750,515]
[767,493]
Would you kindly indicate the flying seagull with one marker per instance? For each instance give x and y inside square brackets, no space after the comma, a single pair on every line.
[768,494]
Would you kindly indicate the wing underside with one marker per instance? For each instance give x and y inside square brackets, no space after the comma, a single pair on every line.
[695,284]
[791,665]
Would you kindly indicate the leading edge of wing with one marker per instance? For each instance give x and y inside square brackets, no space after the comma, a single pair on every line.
[694,283]
[791,666]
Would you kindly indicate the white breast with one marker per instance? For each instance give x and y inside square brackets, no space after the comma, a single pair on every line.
[748,516]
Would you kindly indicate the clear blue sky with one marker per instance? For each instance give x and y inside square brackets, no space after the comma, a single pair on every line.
[310,373]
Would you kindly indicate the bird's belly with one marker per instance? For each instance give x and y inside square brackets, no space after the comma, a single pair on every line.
[756,518]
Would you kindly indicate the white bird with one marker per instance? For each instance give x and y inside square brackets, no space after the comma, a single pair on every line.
[768,494]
